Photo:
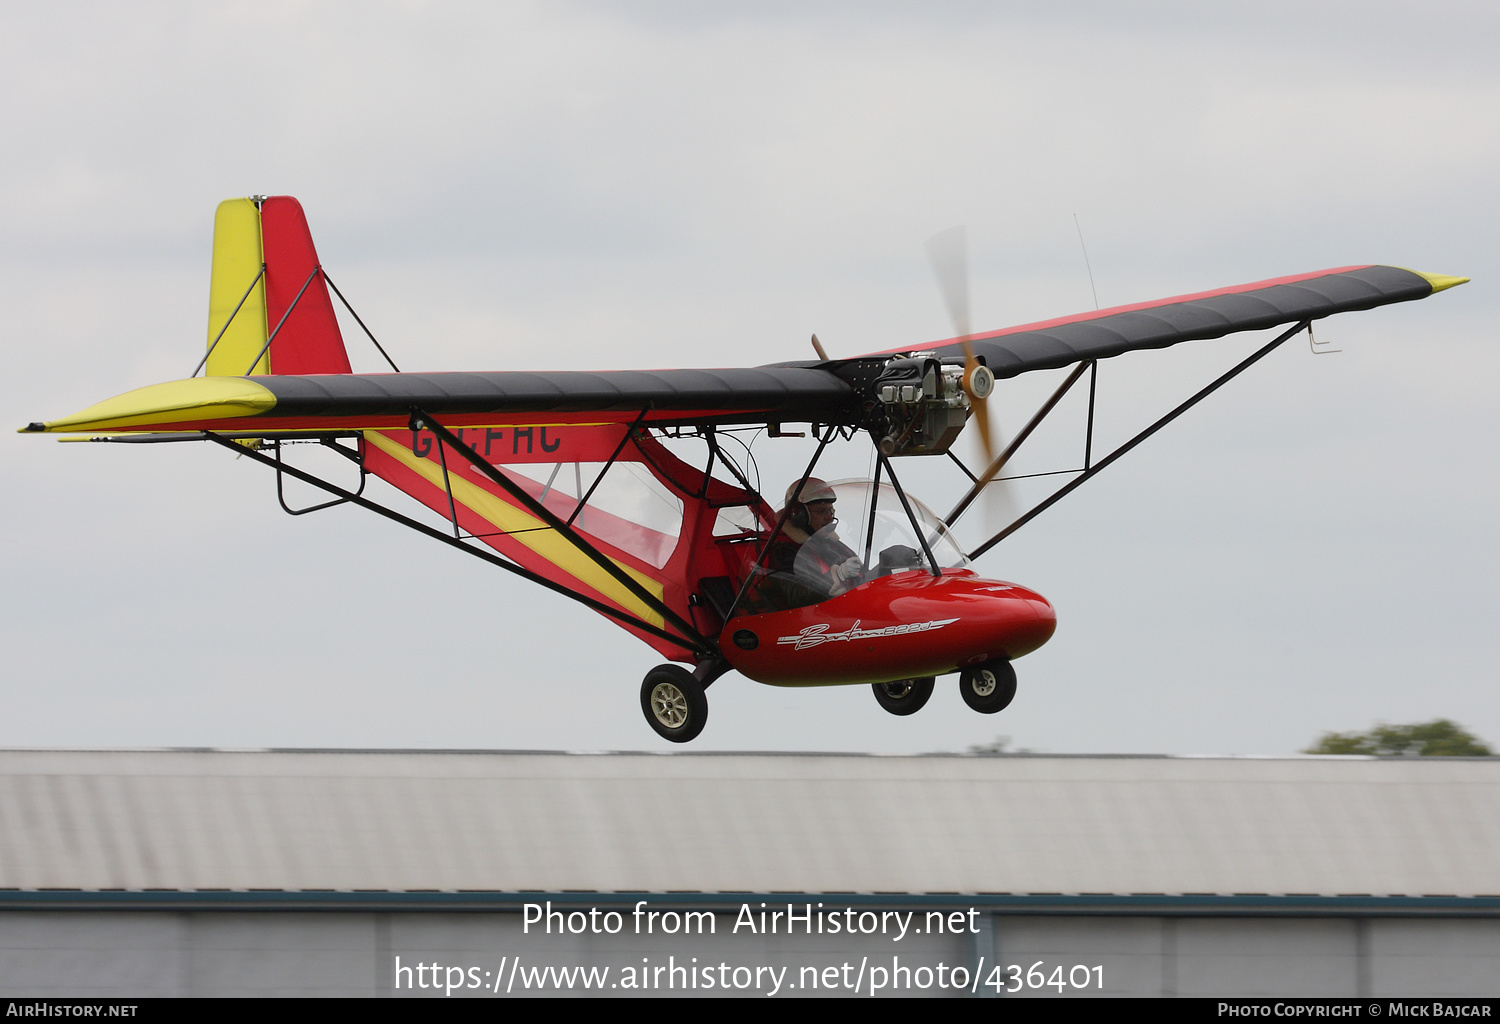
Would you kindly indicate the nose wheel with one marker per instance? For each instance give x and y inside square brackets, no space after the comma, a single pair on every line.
[990,687]
[904,696]
[674,703]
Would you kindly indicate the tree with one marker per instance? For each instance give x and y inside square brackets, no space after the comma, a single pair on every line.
[1001,745]
[1438,738]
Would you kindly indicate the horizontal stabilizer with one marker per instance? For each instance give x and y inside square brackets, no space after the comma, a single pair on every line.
[201,399]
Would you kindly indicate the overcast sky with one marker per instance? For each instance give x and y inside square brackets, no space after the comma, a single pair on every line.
[599,186]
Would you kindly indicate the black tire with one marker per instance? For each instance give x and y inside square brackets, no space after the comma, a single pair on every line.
[990,687]
[674,703]
[904,696]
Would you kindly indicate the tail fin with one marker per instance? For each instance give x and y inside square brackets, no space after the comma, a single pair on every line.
[237,292]
[267,283]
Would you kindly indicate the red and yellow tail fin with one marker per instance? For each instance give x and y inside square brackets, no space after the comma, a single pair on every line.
[236,290]
[267,283]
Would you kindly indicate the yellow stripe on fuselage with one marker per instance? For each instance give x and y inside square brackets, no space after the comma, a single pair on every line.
[539,537]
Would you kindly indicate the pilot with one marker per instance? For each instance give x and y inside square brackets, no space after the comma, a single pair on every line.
[808,548]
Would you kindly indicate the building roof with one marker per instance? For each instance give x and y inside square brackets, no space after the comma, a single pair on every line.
[734,823]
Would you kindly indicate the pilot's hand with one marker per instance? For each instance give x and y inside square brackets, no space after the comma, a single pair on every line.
[848,572]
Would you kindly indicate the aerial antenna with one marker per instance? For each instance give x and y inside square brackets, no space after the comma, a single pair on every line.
[818,348]
[1086,263]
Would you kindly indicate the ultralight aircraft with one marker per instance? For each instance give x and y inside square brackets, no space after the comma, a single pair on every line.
[576,480]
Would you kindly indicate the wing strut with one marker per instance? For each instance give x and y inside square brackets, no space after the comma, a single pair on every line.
[349,496]
[916,525]
[874,504]
[421,421]
[1089,471]
[780,522]
[600,478]
[728,463]
[989,474]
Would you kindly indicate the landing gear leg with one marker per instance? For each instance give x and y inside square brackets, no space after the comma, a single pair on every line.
[674,703]
[990,687]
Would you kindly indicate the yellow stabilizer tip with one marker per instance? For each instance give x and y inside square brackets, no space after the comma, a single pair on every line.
[199,398]
[1441,281]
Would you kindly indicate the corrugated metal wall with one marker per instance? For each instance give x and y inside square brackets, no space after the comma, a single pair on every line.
[137,873]
[642,823]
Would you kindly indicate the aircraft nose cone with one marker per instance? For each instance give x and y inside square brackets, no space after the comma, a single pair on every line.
[1033,622]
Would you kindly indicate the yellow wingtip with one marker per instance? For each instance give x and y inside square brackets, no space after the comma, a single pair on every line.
[198,398]
[1440,282]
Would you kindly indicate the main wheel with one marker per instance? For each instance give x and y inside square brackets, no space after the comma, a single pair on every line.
[904,696]
[674,703]
[990,687]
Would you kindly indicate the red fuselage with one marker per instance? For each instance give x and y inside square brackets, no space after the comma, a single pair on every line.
[901,626]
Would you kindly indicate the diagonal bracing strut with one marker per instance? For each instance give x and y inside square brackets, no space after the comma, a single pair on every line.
[633,621]
[421,421]
[780,524]
[989,474]
[1088,473]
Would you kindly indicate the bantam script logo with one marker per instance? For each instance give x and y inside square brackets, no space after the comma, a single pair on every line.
[812,636]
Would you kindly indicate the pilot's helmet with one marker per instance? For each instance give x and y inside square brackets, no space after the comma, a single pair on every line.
[812,490]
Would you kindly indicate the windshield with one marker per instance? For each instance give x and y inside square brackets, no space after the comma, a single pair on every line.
[892,529]
[854,548]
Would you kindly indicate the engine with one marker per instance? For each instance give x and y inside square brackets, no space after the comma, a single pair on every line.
[924,403]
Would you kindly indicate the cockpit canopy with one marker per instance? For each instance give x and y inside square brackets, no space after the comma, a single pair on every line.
[871,536]
[892,527]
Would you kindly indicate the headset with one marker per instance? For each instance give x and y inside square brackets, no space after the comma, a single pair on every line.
[801,519]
